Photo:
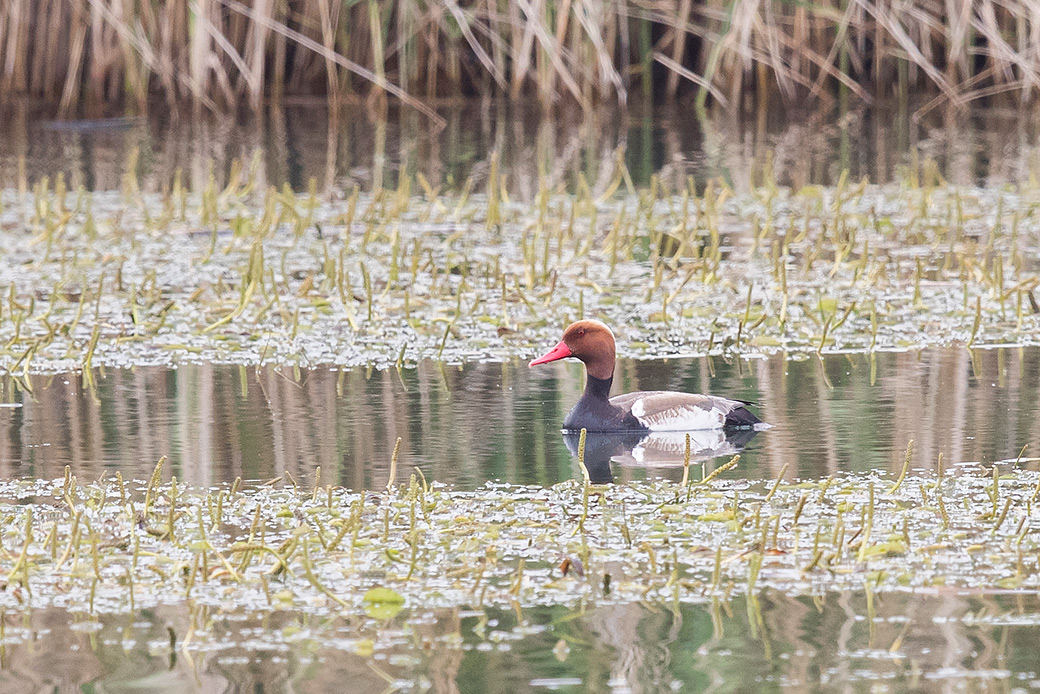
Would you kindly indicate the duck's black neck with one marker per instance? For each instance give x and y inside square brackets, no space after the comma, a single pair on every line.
[594,411]
[598,388]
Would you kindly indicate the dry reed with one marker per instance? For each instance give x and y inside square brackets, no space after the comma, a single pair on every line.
[86,56]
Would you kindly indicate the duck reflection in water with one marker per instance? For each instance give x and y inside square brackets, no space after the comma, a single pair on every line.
[653,449]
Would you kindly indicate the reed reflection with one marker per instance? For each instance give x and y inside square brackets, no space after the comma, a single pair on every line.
[847,641]
[371,148]
[466,425]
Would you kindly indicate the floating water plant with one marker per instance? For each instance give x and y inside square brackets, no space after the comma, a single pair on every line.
[114,547]
[293,279]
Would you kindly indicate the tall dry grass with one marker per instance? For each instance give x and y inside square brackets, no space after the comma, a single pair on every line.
[86,55]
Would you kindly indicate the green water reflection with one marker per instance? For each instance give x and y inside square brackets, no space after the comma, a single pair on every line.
[972,145]
[465,425]
[848,642]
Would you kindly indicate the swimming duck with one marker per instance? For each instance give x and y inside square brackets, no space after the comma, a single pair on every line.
[592,342]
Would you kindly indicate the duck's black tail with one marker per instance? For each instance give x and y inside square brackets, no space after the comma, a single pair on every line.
[741,417]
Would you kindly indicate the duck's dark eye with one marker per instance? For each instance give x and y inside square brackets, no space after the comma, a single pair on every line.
[581,333]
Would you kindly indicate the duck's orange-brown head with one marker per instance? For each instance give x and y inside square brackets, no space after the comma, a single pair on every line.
[588,340]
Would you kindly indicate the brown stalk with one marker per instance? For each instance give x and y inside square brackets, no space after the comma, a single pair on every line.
[357,69]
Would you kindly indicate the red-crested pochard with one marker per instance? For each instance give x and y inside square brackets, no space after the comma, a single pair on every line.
[659,410]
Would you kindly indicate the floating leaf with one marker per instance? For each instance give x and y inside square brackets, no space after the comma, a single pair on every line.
[1009,582]
[383,603]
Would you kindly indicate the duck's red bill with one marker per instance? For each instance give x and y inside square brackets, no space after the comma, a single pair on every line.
[560,351]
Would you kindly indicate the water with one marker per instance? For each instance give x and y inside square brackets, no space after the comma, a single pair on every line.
[466,425]
[849,642]
[294,144]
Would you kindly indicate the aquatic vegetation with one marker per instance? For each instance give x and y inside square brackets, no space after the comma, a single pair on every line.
[115,546]
[249,276]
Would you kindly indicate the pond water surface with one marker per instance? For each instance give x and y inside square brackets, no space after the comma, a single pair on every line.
[841,642]
[300,142]
[465,425]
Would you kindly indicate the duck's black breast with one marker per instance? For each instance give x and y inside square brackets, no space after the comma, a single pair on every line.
[594,412]
[600,416]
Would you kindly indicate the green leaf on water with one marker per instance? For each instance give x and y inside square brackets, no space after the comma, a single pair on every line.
[828,305]
[1009,582]
[382,603]
[716,517]
[885,548]
[383,595]
[810,191]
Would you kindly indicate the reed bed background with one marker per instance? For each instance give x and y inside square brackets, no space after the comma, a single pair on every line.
[90,56]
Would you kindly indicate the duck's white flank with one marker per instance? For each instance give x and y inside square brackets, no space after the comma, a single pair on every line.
[672,411]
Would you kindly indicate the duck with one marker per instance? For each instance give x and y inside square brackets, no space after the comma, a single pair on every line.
[592,342]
